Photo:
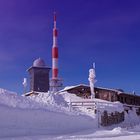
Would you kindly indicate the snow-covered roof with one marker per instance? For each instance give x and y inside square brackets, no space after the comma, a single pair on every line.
[115,90]
[71,87]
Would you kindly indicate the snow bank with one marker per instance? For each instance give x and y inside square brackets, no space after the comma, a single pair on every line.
[48,99]
[131,119]
[38,115]
[69,96]
[19,122]
[46,116]
[16,101]
[43,100]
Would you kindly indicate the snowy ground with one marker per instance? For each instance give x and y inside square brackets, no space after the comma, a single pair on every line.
[45,117]
[115,134]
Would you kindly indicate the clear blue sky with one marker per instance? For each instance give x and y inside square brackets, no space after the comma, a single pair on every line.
[103,31]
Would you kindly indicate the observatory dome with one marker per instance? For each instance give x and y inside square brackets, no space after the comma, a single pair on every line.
[39,63]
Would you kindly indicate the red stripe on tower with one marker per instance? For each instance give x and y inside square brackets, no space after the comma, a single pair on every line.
[55,52]
[55,33]
[55,73]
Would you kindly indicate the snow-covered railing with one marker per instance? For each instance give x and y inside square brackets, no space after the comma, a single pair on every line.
[95,104]
[82,103]
[92,103]
[126,105]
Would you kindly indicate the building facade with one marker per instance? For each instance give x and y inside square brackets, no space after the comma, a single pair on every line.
[39,76]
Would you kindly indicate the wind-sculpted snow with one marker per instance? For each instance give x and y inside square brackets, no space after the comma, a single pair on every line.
[16,101]
[22,116]
[47,117]
[26,122]
[43,101]
[50,100]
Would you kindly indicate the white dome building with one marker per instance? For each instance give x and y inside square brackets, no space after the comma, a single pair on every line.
[39,63]
[39,76]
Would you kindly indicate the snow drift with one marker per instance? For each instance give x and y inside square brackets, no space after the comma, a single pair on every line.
[22,116]
[47,116]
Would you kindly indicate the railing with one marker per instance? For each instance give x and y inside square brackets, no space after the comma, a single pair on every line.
[91,103]
[126,105]
[82,103]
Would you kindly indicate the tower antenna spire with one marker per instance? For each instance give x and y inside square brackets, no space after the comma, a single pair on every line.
[54,16]
[56,83]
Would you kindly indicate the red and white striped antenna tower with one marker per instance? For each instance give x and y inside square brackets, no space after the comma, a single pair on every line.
[55,51]
[55,83]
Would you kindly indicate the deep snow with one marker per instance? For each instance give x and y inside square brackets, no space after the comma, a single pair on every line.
[47,116]
[21,116]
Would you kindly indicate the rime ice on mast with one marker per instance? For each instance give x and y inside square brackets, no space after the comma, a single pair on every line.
[55,83]
[92,80]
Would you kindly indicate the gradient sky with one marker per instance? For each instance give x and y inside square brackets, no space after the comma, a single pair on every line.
[103,31]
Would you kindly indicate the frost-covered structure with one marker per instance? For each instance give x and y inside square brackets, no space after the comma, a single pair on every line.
[109,105]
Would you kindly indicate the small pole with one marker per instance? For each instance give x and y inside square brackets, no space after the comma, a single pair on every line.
[24,84]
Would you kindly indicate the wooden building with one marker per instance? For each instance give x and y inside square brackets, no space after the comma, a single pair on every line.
[112,95]
[83,91]
[130,99]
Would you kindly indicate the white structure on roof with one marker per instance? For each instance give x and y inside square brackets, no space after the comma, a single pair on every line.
[92,80]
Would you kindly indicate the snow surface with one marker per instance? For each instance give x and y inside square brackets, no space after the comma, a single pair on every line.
[23,116]
[47,116]
[100,104]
